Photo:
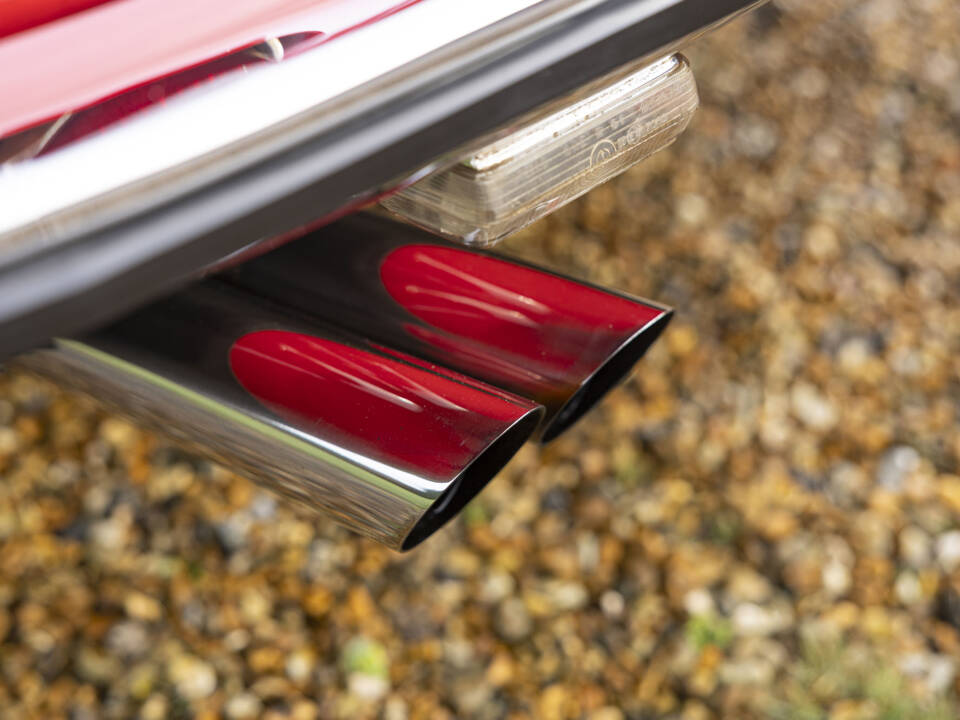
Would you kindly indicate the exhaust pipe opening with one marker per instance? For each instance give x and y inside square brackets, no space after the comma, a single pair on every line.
[611,373]
[473,479]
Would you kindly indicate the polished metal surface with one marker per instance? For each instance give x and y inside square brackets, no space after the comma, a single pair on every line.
[381,446]
[555,340]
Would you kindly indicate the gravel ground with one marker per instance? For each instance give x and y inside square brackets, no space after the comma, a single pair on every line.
[764,522]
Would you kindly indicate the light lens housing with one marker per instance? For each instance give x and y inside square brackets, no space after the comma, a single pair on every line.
[545,163]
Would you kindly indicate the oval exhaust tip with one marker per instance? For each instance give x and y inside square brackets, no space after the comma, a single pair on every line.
[614,370]
[474,478]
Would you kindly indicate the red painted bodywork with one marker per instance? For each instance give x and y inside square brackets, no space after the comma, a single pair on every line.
[398,414]
[92,56]
[19,15]
[505,321]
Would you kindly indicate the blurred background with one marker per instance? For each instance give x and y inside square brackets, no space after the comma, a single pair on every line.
[763,523]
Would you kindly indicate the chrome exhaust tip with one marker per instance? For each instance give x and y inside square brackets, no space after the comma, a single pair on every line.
[474,478]
[557,341]
[611,373]
[389,449]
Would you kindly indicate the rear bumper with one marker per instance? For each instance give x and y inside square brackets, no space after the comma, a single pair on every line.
[93,231]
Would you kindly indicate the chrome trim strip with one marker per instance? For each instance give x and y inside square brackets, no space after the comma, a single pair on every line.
[211,131]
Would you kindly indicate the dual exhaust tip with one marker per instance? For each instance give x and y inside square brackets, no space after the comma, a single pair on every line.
[368,370]
[414,427]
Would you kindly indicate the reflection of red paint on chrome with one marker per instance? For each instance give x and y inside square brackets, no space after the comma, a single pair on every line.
[495,314]
[397,413]
[150,94]
[445,371]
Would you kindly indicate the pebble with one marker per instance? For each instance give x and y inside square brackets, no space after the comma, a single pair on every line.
[155,708]
[937,671]
[142,607]
[471,694]
[699,602]
[872,534]
[915,547]
[895,466]
[747,585]
[813,408]
[948,550]
[849,485]
[96,666]
[128,639]
[256,605]
[611,602]
[513,621]
[606,713]
[244,706]
[566,596]
[367,687]
[366,664]
[836,579]
[300,665]
[756,137]
[750,619]
[747,672]
[193,678]
[111,535]
[395,709]
[553,703]
[908,589]
[497,585]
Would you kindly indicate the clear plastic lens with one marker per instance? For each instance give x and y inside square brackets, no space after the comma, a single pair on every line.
[555,158]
